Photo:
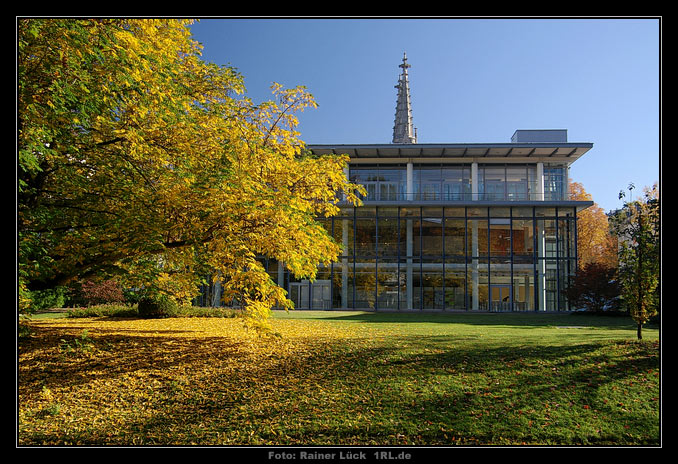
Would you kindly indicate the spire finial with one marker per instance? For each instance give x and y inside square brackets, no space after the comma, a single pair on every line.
[404,64]
[403,130]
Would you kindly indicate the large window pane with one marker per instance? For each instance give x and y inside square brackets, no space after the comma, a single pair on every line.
[455,236]
[492,181]
[478,291]
[343,234]
[476,237]
[516,183]
[342,281]
[523,287]
[366,240]
[321,289]
[551,286]
[392,183]
[555,179]
[456,183]
[427,182]
[532,182]
[383,183]
[523,238]
[566,238]
[432,285]
[546,238]
[368,177]
[500,237]
[500,299]
[409,273]
[406,239]
[455,284]
[432,237]
[387,284]
[365,284]
[388,236]
[416,237]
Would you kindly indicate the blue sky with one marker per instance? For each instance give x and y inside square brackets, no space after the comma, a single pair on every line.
[471,81]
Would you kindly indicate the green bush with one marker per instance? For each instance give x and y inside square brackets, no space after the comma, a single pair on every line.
[200,311]
[159,307]
[103,311]
[47,299]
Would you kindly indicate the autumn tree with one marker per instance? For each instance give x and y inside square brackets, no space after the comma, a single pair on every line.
[138,159]
[637,225]
[595,241]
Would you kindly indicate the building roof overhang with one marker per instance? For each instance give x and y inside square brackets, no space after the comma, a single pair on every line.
[580,205]
[568,151]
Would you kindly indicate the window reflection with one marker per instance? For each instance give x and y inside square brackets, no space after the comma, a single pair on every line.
[383,183]
[449,183]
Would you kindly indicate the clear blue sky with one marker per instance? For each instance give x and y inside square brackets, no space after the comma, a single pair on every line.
[471,81]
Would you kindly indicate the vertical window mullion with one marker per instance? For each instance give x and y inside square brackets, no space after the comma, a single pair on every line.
[376,258]
[354,255]
[535,259]
[466,258]
[557,221]
[421,258]
[511,258]
[398,258]
[443,261]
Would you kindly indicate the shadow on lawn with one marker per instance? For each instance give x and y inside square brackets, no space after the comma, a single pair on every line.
[526,320]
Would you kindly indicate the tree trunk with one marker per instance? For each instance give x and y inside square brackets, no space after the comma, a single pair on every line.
[640,331]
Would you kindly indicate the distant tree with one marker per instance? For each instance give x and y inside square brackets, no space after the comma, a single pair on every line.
[637,226]
[101,292]
[594,287]
[595,241]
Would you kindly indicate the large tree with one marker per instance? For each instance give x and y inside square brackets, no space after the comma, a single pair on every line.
[137,158]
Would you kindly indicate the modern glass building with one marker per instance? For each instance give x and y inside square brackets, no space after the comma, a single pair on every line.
[450,227]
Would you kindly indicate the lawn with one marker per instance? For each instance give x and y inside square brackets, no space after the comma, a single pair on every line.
[340,378]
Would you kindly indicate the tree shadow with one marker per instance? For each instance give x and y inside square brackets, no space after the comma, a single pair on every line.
[515,319]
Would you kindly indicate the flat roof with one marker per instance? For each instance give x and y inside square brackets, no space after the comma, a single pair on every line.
[571,151]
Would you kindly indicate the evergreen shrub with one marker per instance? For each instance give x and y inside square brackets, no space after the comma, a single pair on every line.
[159,307]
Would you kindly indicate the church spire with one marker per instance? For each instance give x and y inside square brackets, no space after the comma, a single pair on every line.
[403,129]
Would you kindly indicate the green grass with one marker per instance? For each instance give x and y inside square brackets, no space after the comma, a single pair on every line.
[506,379]
[345,378]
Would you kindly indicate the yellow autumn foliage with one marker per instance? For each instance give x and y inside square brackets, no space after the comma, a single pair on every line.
[139,159]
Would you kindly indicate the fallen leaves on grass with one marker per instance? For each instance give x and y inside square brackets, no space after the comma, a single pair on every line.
[210,381]
[164,380]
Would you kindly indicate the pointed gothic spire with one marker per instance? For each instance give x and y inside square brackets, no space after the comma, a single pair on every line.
[403,129]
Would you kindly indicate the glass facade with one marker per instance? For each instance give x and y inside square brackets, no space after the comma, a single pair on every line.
[408,258]
[441,182]
[494,236]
